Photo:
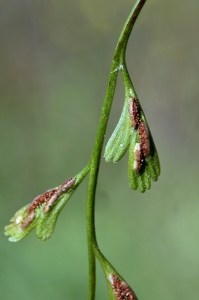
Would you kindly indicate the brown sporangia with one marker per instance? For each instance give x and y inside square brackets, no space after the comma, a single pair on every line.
[121,289]
[43,198]
[62,189]
[28,220]
[138,158]
[134,111]
[50,196]
[67,185]
[144,138]
[137,122]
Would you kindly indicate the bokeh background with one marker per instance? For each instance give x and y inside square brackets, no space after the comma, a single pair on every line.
[55,58]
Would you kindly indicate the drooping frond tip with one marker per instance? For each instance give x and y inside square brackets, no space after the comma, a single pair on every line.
[132,132]
[41,213]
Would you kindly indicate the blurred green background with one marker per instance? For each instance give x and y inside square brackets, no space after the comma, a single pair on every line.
[55,58]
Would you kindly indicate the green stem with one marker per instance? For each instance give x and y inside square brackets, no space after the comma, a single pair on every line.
[119,58]
[127,81]
[129,26]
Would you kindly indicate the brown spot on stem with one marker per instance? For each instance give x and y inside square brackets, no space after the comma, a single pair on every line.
[122,290]
[62,189]
[134,111]
[144,138]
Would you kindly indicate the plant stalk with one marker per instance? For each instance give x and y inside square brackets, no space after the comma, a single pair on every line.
[118,60]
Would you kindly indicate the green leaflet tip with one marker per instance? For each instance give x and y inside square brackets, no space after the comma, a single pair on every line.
[120,139]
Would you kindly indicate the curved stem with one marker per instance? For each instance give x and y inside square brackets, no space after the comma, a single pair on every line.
[129,26]
[119,58]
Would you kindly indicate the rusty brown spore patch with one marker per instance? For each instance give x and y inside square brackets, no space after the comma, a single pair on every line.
[67,185]
[28,220]
[43,198]
[134,111]
[138,158]
[50,196]
[122,290]
[62,189]
[144,138]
